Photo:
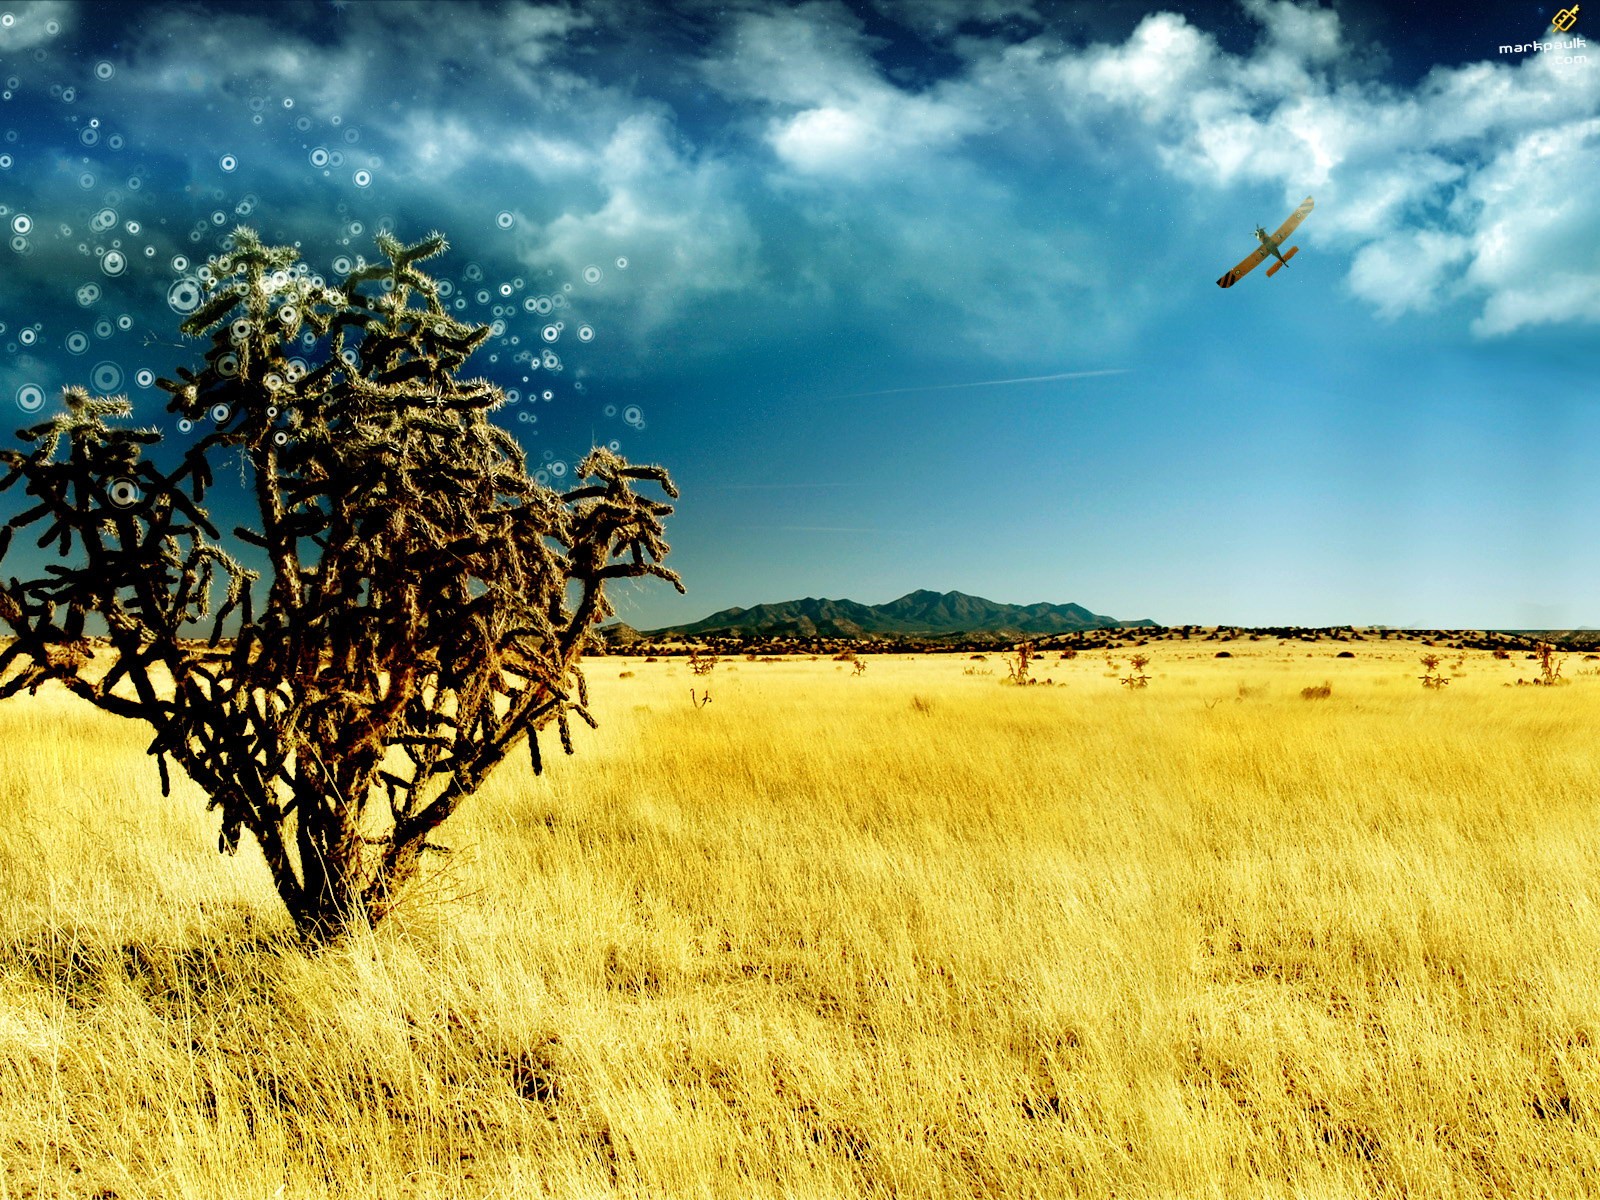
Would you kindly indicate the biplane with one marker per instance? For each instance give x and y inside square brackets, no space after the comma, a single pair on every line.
[1269,245]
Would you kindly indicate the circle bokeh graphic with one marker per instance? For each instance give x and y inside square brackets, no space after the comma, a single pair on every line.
[124,492]
[106,377]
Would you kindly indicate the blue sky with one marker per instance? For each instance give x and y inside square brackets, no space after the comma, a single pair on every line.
[826,234]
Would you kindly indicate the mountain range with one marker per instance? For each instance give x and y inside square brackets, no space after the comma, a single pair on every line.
[916,613]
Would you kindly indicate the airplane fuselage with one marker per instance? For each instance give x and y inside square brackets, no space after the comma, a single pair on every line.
[1270,245]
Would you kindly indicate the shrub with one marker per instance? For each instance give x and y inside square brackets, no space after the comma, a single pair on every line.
[1317,692]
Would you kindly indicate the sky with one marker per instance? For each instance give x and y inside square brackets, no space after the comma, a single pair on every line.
[904,293]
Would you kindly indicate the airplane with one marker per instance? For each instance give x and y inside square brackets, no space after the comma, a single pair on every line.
[1269,245]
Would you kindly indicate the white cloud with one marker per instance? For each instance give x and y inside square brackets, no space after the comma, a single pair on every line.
[1407,271]
[813,53]
[673,217]
[438,145]
[1158,73]
[891,209]
[376,55]
[1536,234]
[1303,34]
[612,181]
[548,156]
[836,116]
[865,138]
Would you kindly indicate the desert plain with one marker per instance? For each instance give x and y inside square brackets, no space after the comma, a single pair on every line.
[905,931]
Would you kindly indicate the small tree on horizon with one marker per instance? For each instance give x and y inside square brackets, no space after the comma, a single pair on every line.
[427,601]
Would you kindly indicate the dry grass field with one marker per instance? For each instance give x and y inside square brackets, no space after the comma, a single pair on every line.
[913,933]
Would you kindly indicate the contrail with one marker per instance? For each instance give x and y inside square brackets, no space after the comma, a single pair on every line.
[824,529]
[942,387]
[724,487]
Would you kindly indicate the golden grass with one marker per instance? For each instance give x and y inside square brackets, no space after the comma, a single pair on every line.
[912,933]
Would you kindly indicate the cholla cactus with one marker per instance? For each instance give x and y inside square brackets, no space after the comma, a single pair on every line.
[1017,667]
[1136,678]
[427,602]
[1432,678]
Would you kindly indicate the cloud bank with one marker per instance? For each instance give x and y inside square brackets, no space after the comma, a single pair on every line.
[957,172]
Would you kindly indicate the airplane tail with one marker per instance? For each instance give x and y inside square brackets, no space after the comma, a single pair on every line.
[1277,266]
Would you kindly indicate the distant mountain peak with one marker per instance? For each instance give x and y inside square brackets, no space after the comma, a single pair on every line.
[923,611]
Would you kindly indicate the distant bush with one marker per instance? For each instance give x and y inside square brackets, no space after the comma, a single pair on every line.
[1549,665]
[1319,692]
[1222,654]
[1432,678]
[1136,678]
[1017,667]
[1345,654]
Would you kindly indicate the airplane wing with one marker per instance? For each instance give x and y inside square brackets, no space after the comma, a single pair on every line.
[1244,268]
[1294,220]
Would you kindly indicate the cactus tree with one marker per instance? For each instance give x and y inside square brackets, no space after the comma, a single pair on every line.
[426,601]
